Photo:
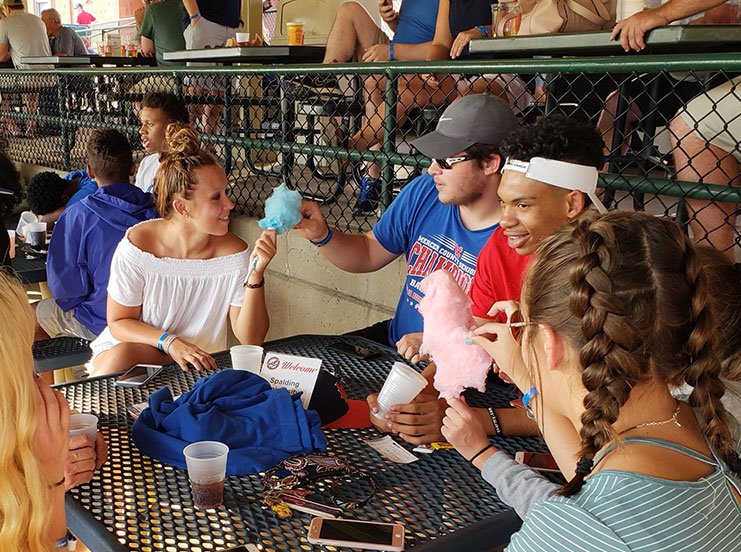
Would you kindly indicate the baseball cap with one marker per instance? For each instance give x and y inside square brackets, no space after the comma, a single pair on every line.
[473,119]
[334,408]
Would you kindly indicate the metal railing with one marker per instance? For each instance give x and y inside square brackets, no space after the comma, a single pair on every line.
[327,129]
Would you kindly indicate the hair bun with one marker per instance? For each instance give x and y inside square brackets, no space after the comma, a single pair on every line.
[181,139]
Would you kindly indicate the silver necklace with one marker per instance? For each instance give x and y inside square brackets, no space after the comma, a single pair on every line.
[674,419]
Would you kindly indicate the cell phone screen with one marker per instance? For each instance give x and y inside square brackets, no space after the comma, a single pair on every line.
[539,461]
[353,350]
[139,374]
[351,531]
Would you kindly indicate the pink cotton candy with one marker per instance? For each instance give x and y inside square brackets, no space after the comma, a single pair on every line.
[447,323]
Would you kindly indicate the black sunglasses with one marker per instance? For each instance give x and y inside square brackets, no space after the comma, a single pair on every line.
[448,162]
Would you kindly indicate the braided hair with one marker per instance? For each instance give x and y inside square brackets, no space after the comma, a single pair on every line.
[638,309]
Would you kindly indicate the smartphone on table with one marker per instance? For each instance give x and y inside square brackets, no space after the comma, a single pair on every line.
[367,535]
[538,461]
[354,350]
[138,375]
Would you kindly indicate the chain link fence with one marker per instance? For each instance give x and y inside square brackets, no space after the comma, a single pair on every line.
[340,134]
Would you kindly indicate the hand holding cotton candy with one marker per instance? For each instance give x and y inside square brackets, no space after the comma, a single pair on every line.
[447,323]
[282,209]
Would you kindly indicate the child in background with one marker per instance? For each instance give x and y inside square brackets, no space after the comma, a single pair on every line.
[49,194]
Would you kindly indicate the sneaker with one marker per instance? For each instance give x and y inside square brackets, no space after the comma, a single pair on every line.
[370,195]
[315,81]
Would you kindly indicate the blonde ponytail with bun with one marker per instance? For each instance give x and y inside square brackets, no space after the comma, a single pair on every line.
[175,175]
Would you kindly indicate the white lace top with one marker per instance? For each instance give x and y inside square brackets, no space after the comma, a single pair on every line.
[187,297]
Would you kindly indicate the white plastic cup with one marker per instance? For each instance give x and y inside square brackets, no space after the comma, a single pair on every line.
[35,233]
[247,357]
[27,217]
[401,386]
[206,462]
[11,237]
[242,37]
[84,423]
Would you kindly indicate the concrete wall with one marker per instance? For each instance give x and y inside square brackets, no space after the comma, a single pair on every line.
[307,294]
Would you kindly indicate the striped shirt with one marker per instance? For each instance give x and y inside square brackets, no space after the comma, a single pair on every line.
[624,511]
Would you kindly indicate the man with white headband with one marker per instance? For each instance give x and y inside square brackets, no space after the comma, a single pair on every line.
[549,178]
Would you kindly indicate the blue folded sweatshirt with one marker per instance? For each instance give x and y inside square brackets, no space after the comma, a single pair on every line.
[261,426]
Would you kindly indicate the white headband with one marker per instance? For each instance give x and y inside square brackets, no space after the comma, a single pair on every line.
[560,173]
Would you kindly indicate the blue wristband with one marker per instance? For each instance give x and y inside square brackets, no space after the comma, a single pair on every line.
[195,16]
[484,30]
[325,241]
[391,51]
[162,340]
[526,398]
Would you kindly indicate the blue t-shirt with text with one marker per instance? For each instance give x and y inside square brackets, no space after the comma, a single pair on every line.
[432,237]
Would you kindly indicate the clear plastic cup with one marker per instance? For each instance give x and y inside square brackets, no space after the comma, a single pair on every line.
[206,462]
[247,357]
[294,33]
[509,17]
[35,233]
[83,423]
[401,386]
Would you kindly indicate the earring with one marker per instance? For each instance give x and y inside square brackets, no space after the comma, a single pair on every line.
[186,215]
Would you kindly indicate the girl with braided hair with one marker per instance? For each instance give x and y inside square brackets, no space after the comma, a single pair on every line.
[617,310]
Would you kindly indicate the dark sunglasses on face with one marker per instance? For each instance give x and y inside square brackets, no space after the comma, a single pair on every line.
[448,162]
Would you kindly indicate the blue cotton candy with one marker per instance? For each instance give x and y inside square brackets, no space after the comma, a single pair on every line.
[281,209]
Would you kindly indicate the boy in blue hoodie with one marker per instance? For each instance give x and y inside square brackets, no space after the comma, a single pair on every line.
[85,237]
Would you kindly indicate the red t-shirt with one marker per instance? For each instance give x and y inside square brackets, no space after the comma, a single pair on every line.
[85,18]
[500,271]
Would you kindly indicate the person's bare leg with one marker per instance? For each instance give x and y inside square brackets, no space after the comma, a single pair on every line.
[352,32]
[695,159]
[124,355]
[413,92]
[606,124]
[32,106]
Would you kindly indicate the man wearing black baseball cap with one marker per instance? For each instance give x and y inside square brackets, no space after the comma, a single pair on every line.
[440,220]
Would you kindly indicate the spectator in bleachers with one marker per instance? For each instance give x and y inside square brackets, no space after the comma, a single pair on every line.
[85,238]
[176,280]
[706,137]
[458,21]
[158,110]
[355,36]
[63,40]
[440,220]
[162,30]
[209,25]
[706,134]
[22,34]
[83,17]
[49,194]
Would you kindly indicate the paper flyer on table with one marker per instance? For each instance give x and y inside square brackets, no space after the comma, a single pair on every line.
[388,448]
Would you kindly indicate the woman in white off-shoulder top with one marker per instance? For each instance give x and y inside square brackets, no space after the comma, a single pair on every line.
[174,280]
